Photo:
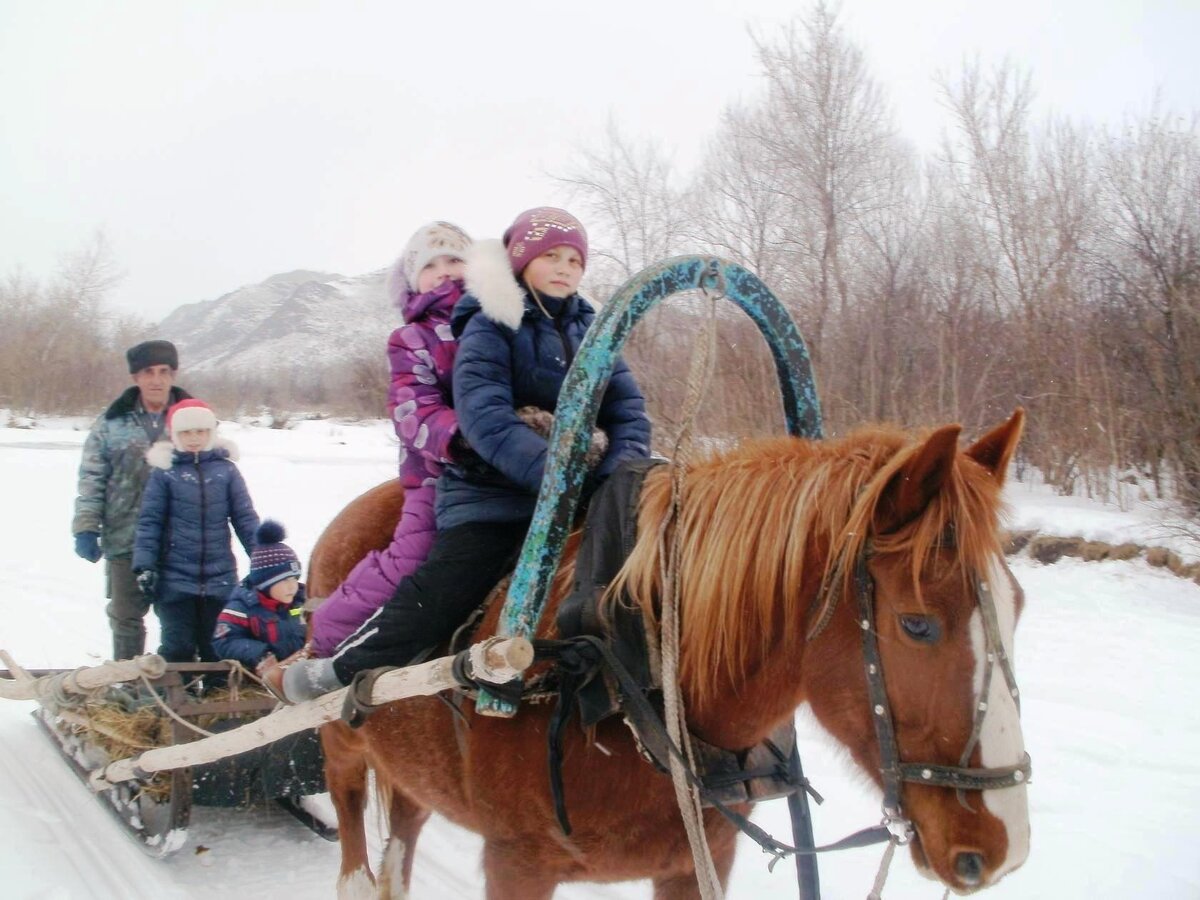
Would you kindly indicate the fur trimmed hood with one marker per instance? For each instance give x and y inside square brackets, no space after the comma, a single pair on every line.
[161,454]
[490,279]
[493,289]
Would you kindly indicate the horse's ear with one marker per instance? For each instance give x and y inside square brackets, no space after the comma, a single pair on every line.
[995,449]
[918,482]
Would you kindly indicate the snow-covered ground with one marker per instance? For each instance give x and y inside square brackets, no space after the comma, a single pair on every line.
[1106,656]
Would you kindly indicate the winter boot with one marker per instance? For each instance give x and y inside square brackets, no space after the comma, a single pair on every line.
[127,646]
[307,679]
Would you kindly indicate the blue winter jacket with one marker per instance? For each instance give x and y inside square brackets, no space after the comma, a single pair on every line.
[510,355]
[183,528]
[251,626]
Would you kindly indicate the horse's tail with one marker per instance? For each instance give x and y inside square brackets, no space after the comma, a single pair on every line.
[390,882]
[383,803]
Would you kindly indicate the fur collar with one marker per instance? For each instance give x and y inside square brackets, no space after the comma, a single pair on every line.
[127,402]
[490,278]
[162,454]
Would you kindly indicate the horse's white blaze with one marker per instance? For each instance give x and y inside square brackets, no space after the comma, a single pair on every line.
[1000,741]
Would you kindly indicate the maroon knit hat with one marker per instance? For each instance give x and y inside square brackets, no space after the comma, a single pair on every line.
[543,228]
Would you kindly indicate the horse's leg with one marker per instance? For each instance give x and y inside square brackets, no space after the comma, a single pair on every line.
[684,886]
[510,876]
[406,819]
[346,778]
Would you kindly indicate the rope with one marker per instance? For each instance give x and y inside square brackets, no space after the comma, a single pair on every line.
[882,874]
[700,373]
[170,712]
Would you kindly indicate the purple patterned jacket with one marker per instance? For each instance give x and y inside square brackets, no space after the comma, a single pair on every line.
[421,353]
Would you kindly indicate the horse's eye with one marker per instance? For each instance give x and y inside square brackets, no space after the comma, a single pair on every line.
[920,628]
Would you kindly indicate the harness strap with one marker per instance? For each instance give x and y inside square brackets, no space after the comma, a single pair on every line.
[357,707]
[808,879]
[644,717]
[965,779]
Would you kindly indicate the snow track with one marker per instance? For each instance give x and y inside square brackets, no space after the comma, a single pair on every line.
[70,846]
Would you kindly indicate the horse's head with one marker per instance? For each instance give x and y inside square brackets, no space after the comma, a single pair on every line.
[919,565]
[904,534]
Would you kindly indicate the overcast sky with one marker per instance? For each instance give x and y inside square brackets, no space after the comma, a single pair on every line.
[217,143]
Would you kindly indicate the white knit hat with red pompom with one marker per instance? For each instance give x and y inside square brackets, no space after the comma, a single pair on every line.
[191,415]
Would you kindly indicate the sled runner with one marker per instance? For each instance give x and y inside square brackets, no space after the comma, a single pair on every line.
[99,715]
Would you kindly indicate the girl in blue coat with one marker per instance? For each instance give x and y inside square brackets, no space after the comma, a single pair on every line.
[519,327]
[182,553]
[261,620]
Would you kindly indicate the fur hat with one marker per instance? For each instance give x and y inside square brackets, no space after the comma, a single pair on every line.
[429,241]
[187,415]
[543,228]
[151,353]
[272,560]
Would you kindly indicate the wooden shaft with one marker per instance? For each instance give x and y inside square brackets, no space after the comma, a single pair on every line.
[503,656]
[79,681]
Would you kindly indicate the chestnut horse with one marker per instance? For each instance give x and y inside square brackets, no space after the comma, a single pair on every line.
[775,538]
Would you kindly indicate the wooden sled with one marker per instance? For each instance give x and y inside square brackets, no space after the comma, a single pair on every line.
[161,705]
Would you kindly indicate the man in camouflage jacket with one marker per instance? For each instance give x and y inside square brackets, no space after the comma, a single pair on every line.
[111,478]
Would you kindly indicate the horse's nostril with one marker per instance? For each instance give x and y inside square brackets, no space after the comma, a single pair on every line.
[969,867]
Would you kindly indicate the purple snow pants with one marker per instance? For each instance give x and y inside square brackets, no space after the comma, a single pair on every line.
[372,582]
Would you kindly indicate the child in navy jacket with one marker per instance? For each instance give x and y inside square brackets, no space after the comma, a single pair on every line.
[182,553]
[261,620]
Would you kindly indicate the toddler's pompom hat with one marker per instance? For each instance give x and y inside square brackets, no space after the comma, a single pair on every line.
[272,559]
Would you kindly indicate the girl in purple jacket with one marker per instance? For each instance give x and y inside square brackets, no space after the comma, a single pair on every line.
[425,282]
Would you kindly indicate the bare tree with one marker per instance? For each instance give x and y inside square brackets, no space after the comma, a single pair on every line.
[1149,260]
[827,127]
[630,206]
[1027,202]
[60,340]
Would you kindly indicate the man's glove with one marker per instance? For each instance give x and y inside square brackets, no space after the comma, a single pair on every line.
[147,582]
[87,546]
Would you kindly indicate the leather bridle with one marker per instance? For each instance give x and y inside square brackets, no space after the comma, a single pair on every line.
[896,771]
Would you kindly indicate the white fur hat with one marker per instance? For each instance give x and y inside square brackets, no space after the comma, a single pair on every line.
[190,415]
[432,240]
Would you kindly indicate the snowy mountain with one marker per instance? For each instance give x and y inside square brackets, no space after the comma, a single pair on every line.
[302,316]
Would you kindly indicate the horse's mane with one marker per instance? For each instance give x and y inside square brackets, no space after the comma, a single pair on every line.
[761,523]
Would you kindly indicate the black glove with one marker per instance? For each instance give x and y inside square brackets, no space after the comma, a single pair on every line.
[459,448]
[147,582]
[467,461]
[87,546]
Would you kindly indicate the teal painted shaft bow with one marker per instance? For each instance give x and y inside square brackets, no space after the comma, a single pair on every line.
[579,401]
